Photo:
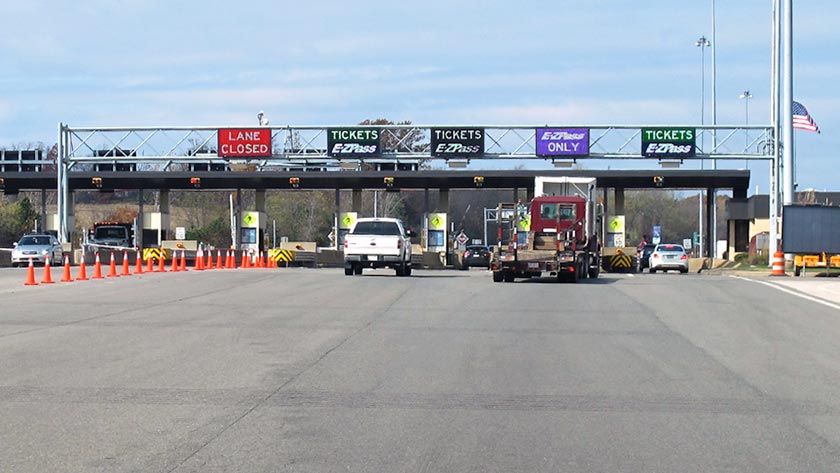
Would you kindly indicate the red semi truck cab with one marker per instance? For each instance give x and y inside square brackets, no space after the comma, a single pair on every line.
[559,242]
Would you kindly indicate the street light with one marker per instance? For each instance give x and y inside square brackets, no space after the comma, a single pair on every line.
[702,43]
[261,117]
[746,95]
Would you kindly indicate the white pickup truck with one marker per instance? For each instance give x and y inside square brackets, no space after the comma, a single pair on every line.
[377,243]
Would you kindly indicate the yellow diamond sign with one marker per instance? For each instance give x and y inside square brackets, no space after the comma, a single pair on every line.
[437,221]
[346,220]
[249,219]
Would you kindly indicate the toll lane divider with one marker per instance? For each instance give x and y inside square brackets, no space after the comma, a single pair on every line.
[201,261]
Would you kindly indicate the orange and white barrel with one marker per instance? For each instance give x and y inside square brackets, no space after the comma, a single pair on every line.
[778,264]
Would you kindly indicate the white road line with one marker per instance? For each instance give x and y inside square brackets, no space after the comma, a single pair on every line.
[793,292]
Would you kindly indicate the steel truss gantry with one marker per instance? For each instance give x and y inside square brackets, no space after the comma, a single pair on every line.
[187,148]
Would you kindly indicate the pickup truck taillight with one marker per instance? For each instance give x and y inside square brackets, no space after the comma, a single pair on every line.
[345,243]
[399,244]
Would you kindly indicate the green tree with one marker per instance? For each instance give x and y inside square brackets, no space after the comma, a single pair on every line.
[216,233]
[302,215]
[16,218]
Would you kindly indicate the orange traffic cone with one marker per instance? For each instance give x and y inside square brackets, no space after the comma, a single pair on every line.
[66,277]
[149,267]
[125,271]
[47,275]
[161,262]
[209,264]
[231,263]
[219,259]
[174,266]
[97,268]
[262,260]
[245,260]
[183,261]
[112,267]
[138,262]
[30,275]
[82,272]
[198,262]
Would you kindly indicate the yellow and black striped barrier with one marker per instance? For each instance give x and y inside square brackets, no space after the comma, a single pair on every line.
[278,255]
[620,263]
[155,254]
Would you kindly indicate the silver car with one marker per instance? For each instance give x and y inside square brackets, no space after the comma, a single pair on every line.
[37,247]
[668,256]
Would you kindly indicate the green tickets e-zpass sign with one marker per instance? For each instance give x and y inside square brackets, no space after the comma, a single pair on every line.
[353,142]
[669,142]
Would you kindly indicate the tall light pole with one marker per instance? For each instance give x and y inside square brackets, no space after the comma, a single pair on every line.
[701,43]
[746,95]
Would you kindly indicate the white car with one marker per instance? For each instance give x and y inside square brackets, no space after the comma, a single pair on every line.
[668,256]
[37,247]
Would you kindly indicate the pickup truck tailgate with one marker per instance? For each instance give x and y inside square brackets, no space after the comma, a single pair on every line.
[373,245]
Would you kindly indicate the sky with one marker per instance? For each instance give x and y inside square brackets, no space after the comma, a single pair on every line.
[612,62]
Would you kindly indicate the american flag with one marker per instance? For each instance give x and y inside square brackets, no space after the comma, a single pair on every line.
[801,119]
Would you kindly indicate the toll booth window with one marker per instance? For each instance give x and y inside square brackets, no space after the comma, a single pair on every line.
[249,236]
[435,238]
[341,234]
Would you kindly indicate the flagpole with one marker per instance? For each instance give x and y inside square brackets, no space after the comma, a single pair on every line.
[787,115]
[787,105]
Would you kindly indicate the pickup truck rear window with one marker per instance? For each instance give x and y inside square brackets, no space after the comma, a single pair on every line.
[376,228]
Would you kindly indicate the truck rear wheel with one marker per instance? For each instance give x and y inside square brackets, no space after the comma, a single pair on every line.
[594,271]
[498,276]
[357,269]
[509,276]
[348,269]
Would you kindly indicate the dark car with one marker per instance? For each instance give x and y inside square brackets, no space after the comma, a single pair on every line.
[475,255]
[644,256]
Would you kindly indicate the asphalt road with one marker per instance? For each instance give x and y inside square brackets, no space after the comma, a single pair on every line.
[308,370]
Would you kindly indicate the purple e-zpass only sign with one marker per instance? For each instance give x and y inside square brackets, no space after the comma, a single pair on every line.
[562,141]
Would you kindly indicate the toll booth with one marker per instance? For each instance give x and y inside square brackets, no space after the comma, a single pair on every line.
[252,232]
[155,229]
[346,220]
[436,237]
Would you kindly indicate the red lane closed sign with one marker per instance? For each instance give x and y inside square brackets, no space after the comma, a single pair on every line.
[245,142]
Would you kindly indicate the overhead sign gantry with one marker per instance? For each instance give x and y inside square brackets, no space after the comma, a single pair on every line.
[392,147]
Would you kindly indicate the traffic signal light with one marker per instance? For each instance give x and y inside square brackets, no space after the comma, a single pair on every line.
[658,180]
[479,181]
[97,181]
[294,182]
[389,181]
[195,181]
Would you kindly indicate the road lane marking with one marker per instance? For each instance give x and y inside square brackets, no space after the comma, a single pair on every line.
[793,292]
